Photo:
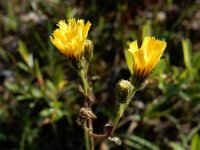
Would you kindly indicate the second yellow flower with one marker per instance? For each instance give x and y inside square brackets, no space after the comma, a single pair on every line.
[146,57]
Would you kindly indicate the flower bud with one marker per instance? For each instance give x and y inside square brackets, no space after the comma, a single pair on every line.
[88,50]
[123,91]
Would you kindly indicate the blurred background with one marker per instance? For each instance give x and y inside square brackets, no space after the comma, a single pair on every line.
[39,98]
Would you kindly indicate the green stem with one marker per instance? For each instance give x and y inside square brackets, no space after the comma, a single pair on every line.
[84,82]
[122,108]
[89,140]
[119,114]
[87,143]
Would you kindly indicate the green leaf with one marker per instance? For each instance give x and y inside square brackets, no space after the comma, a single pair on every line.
[24,97]
[70,12]
[41,43]
[129,60]
[195,143]
[23,66]
[146,30]
[12,87]
[45,112]
[133,145]
[12,21]
[176,146]
[160,68]
[4,54]
[193,132]
[36,93]
[38,72]
[23,50]
[187,52]
[196,62]
[184,96]
[140,143]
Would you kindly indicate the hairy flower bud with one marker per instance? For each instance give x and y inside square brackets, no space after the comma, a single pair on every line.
[88,50]
[124,89]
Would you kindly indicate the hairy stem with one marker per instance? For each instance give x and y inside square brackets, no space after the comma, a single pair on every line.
[86,136]
[88,104]
[122,108]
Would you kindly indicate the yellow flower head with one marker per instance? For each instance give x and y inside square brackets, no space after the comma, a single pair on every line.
[146,57]
[70,37]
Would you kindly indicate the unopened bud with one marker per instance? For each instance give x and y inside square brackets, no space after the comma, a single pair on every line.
[88,50]
[123,91]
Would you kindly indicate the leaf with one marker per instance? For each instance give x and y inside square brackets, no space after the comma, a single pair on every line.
[36,93]
[146,30]
[45,112]
[160,68]
[193,132]
[12,21]
[28,58]
[23,66]
[70,12]
[41,43]
[24,97]
[4,54]
[176,146]
[38,73]
[196,62]
[195,143]
[140,143]
[187,52]
[12,87]
[129,60]
[184,96]
[133,145]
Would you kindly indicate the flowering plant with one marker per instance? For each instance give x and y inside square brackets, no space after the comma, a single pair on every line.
[71,40]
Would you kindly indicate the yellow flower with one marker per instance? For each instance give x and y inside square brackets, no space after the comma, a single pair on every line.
[146,57]
[70,37]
